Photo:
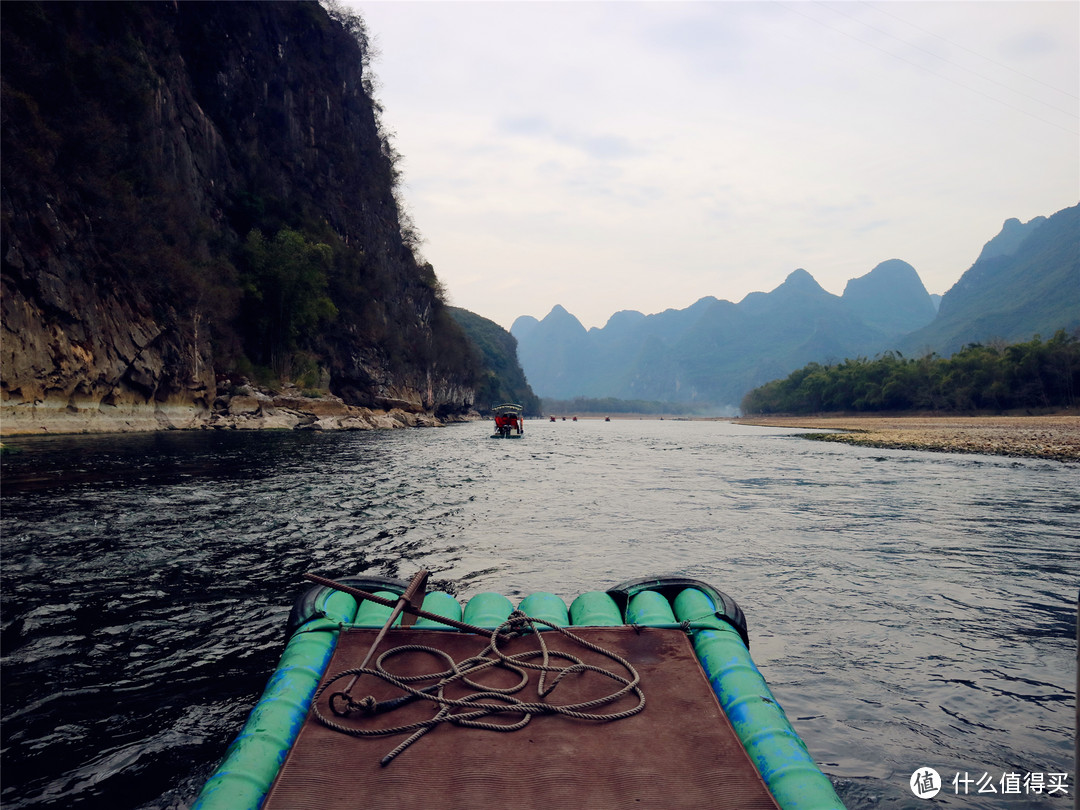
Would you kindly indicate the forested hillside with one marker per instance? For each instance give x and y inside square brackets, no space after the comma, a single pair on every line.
[199,191]
[502,379]
[1024,376]
[1025,282]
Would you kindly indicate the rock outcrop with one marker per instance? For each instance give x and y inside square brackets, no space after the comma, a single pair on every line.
[142,143]
[243,407]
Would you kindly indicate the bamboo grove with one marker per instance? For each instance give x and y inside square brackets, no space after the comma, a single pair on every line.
[1024,376]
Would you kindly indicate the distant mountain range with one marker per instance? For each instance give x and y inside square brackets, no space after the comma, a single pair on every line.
[1026,281]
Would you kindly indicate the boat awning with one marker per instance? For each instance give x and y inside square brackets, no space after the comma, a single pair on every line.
[680,751]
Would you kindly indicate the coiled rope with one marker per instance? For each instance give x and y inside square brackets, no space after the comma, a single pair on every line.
[471,710]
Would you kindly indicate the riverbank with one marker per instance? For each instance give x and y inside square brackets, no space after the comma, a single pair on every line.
[245,408]
[1050,437]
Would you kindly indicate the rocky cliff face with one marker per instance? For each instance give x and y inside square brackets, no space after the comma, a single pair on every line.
[142,143]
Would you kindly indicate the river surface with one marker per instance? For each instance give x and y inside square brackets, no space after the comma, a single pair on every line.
[908,609]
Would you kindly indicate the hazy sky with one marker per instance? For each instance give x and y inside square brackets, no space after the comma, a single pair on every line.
[624,155]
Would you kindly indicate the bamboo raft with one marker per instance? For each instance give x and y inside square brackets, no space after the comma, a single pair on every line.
[642,695]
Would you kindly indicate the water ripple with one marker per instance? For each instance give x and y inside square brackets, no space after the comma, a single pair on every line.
[908,609]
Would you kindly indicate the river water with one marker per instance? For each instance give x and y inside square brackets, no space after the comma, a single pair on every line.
[908,609]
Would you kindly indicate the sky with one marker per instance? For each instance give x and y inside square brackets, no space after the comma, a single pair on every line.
[622,155]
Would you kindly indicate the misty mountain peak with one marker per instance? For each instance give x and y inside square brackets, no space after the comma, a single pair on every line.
[522,325]
[892,276]
[1012,235]
[800,289]
[801,279]
[800,283]
[891,297]
[560,318]
[624,319]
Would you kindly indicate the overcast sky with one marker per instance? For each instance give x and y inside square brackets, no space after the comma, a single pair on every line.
[623,155]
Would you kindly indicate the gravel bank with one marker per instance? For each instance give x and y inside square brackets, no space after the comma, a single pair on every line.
[244,408]
[1051,437]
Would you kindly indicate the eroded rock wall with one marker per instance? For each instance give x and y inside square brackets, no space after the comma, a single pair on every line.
[141,141]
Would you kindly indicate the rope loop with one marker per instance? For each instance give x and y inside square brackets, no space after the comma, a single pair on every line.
[485,701]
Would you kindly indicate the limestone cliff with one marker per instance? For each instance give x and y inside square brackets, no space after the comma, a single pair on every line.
[150,152]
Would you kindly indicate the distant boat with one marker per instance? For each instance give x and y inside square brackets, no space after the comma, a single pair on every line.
[508,421]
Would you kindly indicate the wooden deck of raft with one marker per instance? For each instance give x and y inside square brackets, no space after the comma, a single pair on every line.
[680,751]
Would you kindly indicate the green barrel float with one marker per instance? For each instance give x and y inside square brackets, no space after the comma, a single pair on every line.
[488,610]
[546,606]
[441,604]
[252,762]
[595,609]
[372,614]
[649,608]
[774,747]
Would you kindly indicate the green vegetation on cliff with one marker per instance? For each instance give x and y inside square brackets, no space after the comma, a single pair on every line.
[502,379]
[285,294]
[1032,375]
[1026,282]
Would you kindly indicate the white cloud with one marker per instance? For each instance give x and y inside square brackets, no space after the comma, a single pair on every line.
[621,155]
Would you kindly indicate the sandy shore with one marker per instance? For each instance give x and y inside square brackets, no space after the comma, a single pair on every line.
[1051,437]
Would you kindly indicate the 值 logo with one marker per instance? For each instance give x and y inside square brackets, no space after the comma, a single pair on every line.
[925,783]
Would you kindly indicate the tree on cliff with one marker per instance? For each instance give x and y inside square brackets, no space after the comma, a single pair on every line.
[285,289]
